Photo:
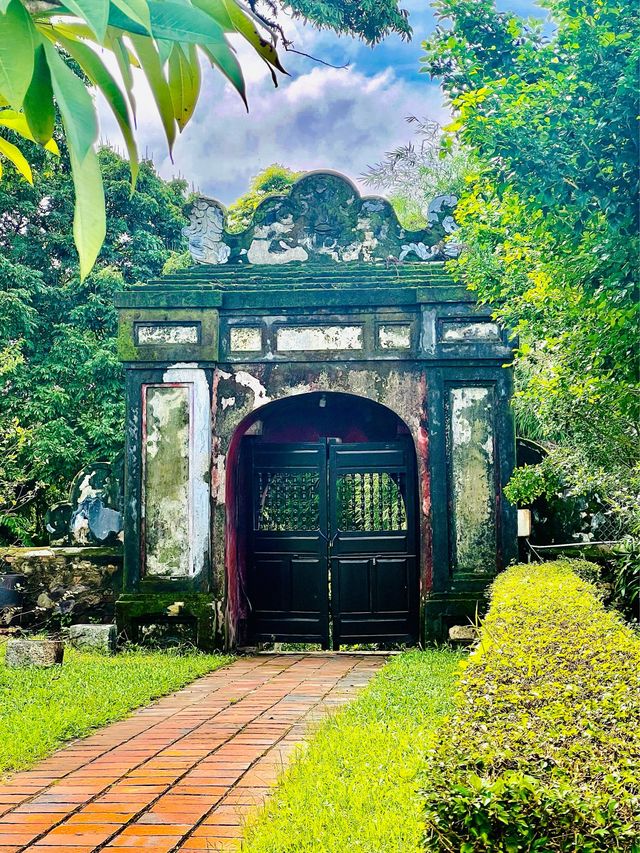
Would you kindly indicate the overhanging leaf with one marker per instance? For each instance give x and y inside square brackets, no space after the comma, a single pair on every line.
[18,123]
[17,45]
[224,58]
[38,102]
[89,221]
[218,11]
[97,72]
[135,10]
[184,83]
[75,105]
[175,22]
[150,64]
[124,59]
[247,28]
[13,153]
[94,12]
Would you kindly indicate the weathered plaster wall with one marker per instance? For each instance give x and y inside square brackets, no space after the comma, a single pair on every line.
[473,489]
[166,487]
[175,473]
[65,585]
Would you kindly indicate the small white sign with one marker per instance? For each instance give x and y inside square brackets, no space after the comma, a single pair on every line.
[394,336]
[245,339]
[474,330]
[167,333]
[313,338]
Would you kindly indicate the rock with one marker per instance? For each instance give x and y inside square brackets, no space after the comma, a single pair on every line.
[44,601]
[95,638]
[463,633]
[40,653]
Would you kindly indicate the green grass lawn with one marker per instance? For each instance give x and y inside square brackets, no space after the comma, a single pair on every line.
[42,708]
[353,788]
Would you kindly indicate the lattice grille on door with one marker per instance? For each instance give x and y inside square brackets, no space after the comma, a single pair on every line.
[371,501]
[287,500]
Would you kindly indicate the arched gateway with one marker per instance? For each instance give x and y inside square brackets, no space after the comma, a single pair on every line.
[318,429]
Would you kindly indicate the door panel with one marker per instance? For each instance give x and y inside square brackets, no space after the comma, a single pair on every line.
[288,583]
[391,584]
[346,510]
[372,527]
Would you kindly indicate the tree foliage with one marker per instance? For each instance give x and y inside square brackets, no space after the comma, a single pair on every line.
[415,173]
[371,20]
[274,180]
[60,378]
[550,220]
[162,38]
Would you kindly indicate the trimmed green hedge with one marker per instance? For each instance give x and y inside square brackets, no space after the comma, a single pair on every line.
[543,750]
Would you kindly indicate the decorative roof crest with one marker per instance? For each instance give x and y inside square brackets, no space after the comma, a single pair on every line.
[324,217]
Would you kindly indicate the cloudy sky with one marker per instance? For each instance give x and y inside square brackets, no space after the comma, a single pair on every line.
[319,117]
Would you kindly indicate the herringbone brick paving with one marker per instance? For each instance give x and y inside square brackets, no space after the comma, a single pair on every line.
[182,773]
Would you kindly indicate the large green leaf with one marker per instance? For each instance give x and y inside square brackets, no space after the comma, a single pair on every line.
[89,222]
[96,71]
[17,44]
[38,102]
[223,57]
[123,58]
[173,22]
[13,153]
[164,50]
[247,28]
[183,23]
[94,12]
[135,10]
[18,123]
[184,82]
[75,105]
[218,11]
[152,68]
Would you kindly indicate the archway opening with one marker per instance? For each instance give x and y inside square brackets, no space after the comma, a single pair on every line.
[322,535]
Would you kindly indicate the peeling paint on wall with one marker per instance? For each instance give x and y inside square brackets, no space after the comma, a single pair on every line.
[200,451]
[219,479]
[253,384]
[166,480]
[176,460]
[472,479]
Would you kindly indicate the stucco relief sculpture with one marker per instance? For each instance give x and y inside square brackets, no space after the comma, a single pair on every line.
[204,232]
[323,218]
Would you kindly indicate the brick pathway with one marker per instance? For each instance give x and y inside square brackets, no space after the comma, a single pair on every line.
[181,774]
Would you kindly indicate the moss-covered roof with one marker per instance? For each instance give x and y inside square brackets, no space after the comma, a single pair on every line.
[299,284]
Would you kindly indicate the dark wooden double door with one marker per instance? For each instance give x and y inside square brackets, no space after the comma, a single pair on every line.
[332,553]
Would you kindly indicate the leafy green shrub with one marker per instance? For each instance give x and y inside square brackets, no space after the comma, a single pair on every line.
[625,572]
[543,750]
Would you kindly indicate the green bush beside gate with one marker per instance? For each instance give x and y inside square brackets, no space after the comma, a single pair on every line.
[543,750]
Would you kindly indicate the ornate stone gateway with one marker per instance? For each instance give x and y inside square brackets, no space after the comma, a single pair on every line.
[318,429]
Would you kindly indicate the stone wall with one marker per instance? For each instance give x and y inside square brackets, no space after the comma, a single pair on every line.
[65,585]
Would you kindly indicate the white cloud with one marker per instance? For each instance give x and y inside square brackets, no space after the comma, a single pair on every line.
[320,118]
